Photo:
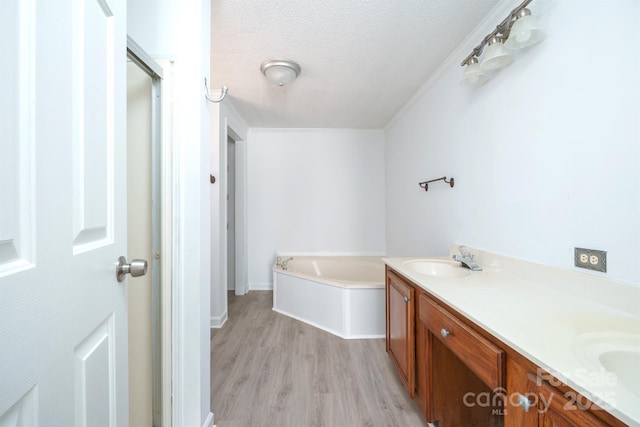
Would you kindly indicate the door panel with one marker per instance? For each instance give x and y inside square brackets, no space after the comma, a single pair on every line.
[63,335]
[94,377]
[23,413]
[17,36]
[93,119]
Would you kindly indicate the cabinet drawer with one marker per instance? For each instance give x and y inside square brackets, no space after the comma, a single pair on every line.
[481,356]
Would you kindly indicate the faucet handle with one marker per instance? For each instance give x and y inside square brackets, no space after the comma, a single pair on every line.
[464,251]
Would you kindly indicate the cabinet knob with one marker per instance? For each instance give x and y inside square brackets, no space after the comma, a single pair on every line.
[523,402]
[444,333]
[406,299]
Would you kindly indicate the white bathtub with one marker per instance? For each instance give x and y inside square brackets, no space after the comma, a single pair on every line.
[343,295]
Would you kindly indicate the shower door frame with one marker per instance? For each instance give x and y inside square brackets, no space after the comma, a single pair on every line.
[161,262]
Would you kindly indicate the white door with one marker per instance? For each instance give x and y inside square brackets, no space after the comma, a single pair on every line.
[63,319]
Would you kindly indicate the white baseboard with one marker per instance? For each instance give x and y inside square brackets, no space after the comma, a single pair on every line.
[261,286]
[208,422]
[218,321]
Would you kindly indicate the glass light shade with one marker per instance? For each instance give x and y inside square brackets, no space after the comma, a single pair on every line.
[280,71]
[496,56]
[280,75]
[474,76]
[524,32]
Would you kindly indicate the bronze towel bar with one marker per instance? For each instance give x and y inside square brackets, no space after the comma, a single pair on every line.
[425,184]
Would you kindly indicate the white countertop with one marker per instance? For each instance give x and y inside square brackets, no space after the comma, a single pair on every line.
[542,312]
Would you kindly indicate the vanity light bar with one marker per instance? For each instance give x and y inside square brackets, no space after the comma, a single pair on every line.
[501,32]
[518,30]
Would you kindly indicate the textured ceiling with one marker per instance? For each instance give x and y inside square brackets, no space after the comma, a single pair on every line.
[361,60]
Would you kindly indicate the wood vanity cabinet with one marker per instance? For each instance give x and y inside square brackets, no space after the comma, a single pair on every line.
[438,370]
[400,328]
[461,375]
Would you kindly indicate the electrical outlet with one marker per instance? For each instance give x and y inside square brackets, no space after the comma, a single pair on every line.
[591,259]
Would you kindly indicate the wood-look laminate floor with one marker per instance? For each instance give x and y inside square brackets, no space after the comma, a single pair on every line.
[273,371]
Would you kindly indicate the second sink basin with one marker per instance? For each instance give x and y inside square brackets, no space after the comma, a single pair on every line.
[618,353]
[626,365]
[437,267]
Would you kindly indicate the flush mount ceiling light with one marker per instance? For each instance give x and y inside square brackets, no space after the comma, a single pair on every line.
[280,71]
[519,29]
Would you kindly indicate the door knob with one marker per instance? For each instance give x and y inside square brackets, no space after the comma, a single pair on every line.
[137,268]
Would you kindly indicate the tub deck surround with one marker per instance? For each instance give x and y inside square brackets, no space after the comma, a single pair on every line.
[542,312]
[341,271]
[343,295]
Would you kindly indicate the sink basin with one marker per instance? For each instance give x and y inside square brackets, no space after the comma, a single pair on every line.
[437,267]
[626,365]
[617,353]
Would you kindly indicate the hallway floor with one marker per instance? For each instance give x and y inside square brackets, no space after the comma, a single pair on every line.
[269,370]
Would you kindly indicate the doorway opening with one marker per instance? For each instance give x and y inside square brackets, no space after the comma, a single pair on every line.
[236,213]
[229,213]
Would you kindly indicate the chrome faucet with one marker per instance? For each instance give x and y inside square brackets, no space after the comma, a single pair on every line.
[282,263]
[467,259]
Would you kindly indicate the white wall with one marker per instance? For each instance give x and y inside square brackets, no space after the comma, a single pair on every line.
[180,31]
[546,155]
[313,190]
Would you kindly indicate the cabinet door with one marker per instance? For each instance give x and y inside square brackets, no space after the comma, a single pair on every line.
[563,410]
[520,404]
[400,329]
